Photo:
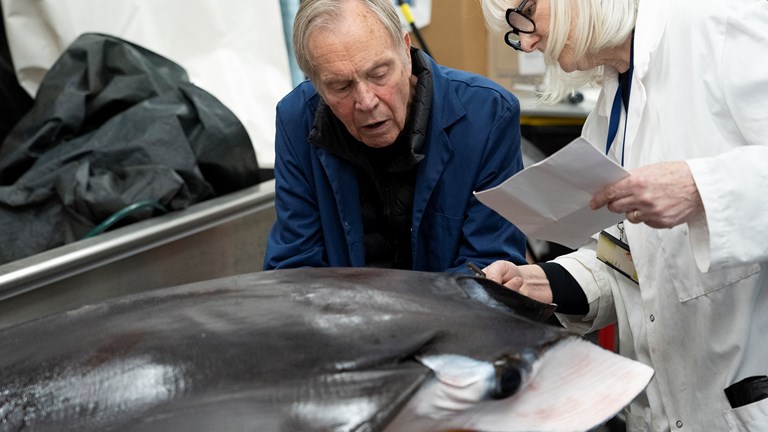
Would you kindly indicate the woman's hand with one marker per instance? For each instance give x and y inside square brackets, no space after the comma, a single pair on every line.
[528,280]
[660,195]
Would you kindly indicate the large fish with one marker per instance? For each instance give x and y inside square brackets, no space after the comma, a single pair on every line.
[311,350]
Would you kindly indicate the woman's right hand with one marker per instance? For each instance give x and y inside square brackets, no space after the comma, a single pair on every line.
[528,280]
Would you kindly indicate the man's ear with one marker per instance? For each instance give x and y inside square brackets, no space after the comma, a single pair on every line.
[407,40]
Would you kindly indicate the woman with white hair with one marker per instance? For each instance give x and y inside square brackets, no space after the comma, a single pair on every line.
[683,107]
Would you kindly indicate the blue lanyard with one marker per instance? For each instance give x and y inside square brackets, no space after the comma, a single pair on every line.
[613,125]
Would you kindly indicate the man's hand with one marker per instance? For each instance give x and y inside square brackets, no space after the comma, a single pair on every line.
[528,280]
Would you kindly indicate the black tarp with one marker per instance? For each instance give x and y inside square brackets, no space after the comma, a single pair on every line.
[114,124]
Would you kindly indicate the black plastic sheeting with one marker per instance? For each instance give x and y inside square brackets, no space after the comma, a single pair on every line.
[114,124]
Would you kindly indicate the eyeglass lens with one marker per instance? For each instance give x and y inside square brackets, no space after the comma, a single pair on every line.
[512,39]
[521,21]
[519,18]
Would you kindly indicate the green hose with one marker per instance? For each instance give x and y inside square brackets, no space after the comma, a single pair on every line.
[118,215]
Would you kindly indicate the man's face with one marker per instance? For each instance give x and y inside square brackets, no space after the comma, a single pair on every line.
[362,78]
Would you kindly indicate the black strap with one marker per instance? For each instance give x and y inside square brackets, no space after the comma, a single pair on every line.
[748,390]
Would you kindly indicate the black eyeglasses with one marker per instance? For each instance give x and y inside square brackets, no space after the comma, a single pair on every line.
[520,20]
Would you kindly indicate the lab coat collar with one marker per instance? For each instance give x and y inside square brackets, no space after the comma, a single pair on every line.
[649,27]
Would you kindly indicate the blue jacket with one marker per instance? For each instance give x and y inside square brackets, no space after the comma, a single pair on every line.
[472,143]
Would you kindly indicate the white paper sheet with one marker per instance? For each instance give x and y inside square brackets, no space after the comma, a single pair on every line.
[550,200]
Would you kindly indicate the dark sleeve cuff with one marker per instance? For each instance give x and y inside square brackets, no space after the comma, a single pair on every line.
[566,292]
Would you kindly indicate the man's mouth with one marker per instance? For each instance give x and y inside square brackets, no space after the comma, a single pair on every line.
[374,126]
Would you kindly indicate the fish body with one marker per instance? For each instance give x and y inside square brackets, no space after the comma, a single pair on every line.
[339,349]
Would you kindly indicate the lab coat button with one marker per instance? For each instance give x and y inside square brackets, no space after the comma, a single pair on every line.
[653,318]
[679,424]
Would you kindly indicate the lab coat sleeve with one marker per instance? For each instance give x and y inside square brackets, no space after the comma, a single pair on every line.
[598,282]
[732,185]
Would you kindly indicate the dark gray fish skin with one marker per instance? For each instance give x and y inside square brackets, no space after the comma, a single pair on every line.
[283,350]
[494,295]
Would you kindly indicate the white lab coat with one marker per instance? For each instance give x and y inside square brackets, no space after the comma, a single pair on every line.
[700,314]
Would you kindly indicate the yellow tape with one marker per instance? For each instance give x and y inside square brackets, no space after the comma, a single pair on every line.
[551,121]
[407,12]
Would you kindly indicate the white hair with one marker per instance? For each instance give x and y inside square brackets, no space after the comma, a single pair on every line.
[314,14]
[596,25]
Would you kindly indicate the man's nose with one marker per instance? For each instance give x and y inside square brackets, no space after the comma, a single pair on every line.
[365,97]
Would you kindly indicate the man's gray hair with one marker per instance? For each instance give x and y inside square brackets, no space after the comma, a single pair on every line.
[315,14]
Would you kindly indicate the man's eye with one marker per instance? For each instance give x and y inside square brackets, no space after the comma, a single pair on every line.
[340,87]
[380,74]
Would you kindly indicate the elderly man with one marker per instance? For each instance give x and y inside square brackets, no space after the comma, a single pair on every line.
[377,155]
